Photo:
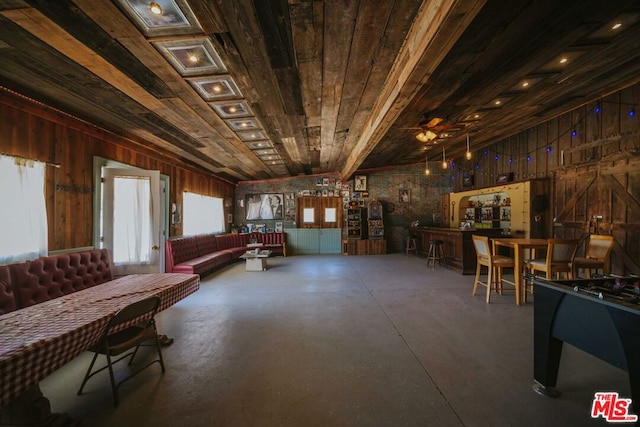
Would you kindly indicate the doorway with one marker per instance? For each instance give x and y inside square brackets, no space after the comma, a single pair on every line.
[131,217]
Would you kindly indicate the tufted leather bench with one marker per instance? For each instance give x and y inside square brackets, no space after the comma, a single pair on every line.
[42,279]
[203,253]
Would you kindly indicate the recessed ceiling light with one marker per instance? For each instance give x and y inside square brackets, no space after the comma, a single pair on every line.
[233,109]
[155,8]
[498,102]
[616,26]
[193,58]
[563,60]
[217,88]
[476,116]
[525,84]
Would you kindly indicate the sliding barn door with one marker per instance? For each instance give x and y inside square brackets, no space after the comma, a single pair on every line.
[602,199]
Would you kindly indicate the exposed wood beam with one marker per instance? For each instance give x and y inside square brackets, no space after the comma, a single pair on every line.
[425,47]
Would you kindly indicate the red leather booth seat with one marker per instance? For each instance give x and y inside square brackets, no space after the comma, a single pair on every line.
[203,253]
[42,279]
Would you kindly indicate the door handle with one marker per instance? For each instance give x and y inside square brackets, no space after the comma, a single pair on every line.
[155,247]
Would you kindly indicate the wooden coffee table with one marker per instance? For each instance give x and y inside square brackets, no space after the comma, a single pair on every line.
[256,261]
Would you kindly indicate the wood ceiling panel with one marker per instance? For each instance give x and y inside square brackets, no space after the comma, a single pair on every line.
[336,85]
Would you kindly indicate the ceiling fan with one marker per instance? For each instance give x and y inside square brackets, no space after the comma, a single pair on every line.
[436,127]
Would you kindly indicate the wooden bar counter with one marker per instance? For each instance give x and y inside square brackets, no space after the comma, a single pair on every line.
[458,245]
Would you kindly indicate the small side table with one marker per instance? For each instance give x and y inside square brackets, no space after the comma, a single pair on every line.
[256,261]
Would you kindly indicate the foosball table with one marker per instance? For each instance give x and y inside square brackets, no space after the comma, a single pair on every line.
[599,316]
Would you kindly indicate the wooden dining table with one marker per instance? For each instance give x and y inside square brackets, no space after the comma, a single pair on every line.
[519,246]
[37,340]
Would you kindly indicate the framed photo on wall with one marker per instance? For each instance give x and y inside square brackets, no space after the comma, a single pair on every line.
[360,183]
[504,178]
[404,196]
[467,181]
[264,206]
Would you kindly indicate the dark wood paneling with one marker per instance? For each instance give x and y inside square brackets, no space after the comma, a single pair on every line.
[32,131]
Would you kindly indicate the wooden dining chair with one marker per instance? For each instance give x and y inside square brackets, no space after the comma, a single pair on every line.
[597,255]
[494,263]
[120,337]
[558,260]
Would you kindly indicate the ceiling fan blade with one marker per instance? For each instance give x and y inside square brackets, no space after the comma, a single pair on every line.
[434,122]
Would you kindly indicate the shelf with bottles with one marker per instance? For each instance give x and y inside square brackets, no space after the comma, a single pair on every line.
[487,211]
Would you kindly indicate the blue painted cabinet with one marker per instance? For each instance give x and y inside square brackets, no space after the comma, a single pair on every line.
[314,241]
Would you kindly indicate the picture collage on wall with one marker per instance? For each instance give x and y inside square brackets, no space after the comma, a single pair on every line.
[331,187]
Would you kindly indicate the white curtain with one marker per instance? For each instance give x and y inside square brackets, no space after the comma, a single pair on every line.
[23,217]
[202,214]
[132,228]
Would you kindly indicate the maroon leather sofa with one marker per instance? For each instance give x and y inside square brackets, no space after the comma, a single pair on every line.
[203,253]
[42,279]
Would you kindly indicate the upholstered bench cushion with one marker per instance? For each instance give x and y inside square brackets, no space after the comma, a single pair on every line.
[203,263]
[7,298]
[54,276]
[206,243]
[184,249]
[275,242]
[50,277]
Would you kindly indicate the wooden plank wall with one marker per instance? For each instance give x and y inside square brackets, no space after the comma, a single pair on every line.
[592,157]
[37,132]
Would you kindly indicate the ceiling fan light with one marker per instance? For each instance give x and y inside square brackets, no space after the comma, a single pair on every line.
[426,136]
[430,135]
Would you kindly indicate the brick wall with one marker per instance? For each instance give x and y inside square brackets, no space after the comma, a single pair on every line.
[422,203]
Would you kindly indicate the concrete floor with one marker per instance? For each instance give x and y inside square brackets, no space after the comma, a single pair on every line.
[341,341]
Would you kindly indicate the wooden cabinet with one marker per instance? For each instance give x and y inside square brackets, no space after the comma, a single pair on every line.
[319,212]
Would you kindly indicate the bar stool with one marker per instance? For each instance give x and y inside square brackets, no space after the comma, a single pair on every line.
[411,245]
[436,253]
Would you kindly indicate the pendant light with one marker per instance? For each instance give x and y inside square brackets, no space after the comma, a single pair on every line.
[444,159]
[468,154]
[426,165]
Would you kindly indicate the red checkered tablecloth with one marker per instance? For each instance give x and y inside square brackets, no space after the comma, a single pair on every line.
[38,340]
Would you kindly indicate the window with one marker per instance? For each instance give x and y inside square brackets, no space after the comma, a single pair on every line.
[132,227]
[330,215]
[202,214]
[308,215]
[23,218]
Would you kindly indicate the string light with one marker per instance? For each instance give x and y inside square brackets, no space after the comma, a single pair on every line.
[468,154]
